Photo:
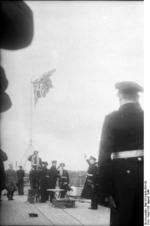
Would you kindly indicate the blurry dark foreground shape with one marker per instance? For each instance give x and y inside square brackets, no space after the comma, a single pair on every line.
[16,25]
[3,81]
[5,102]
[16,32]
[3,158]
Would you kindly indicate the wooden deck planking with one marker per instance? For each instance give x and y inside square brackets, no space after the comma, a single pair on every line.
[16,213]
[100,217]
[57,216]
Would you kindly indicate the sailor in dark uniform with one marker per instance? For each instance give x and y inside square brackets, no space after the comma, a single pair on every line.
[20,180]
[63,177]
[11,181]
[36,164]
[43,182]
[53,175]
[91,184]
[121,158]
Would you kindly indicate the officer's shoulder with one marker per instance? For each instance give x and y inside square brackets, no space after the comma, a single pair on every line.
[113,115]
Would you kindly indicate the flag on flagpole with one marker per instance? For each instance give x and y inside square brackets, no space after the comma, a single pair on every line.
[42,85]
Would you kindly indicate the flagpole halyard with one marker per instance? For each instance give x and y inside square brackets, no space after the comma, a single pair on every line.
[42,85]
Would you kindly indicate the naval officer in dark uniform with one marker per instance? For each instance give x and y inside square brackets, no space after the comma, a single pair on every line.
[43,182]
[53,175]
[20,179]
[91,184]
[121,158]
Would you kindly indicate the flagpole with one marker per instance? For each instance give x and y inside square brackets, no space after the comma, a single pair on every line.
[31,117]
[30,147]
[38,92]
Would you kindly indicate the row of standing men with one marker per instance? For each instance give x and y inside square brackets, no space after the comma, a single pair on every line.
[42,178]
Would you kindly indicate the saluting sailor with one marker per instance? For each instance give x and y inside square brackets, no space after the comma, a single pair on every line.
[91,184]
[121,158]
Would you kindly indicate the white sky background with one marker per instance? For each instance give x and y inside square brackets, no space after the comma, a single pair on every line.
[92,45]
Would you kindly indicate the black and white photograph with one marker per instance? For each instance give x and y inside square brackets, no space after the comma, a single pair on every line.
[72,84]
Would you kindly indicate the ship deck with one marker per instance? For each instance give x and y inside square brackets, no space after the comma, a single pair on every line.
[16,212]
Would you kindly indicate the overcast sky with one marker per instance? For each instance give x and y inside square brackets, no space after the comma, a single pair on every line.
[92,45]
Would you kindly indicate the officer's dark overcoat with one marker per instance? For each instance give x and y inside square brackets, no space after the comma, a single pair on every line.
[20,175]
[20,181]
[53,175]
[43,183]
[87,191]
[123,178]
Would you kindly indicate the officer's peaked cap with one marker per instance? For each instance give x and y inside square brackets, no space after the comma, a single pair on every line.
[36,151]
[45,163]
[128,87]
[92,157]
[54,161]
[62,164]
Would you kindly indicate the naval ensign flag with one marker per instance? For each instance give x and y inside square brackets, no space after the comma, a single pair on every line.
[42,85]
